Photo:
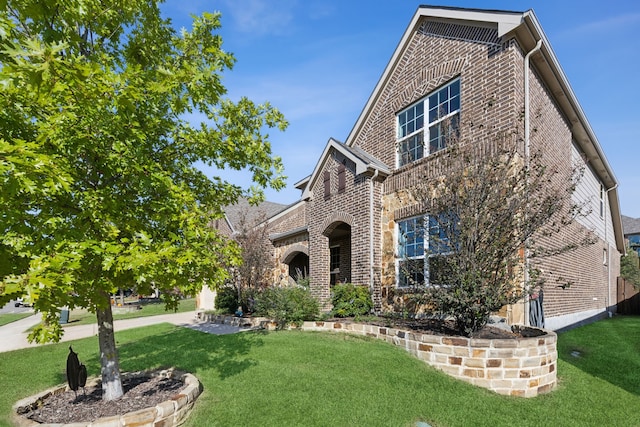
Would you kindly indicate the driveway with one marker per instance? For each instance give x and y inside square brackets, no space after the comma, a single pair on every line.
[13,336]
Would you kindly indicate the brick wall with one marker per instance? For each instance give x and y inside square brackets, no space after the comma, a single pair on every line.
[351,207]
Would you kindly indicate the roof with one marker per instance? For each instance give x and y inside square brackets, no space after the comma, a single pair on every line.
[253,213]
[630,225]
[526,29]
[365,163]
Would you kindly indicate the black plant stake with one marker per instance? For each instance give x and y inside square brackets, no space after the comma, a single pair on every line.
[82,378]
[76,373]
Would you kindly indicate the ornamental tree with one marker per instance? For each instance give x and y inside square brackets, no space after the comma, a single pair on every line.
[97,152]
[488,220]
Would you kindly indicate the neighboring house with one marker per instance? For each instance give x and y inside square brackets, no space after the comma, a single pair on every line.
[631,227]
[472,68]
[235,218]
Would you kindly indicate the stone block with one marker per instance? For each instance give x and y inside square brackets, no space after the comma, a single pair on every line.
[494,374]
[165,408]
[455,361]
[455,341]
[493,363]
[443,349]
[500,353]
[505,343]
[477,352]
[480,343]
[462,351]
[474,363]
[473,373]
[142,417]
[180,400]
[431,339]
[108,422]
[530,362]
[424,347]
[524,373]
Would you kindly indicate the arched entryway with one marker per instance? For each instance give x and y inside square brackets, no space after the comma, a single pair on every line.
[339,234]
[297,259]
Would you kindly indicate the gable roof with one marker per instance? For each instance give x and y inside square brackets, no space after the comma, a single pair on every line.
[526,29]
[365,163]
[630,225]
[234,213]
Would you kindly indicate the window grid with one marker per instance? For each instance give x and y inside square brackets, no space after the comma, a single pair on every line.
[413,267]
[443,123]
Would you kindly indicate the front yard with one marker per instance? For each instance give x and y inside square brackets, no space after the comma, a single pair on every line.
[317,379]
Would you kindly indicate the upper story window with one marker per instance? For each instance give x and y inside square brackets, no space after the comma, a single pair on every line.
[434,119]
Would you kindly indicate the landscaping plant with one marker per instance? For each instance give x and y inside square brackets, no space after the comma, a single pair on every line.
[105,110]
[350,300]
[289,305]
[488,218]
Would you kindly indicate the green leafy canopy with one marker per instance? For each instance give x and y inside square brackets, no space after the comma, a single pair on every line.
[97,152]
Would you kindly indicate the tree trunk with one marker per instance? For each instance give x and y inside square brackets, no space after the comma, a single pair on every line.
[110,366]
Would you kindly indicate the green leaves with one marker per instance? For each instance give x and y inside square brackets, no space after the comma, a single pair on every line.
[98,185]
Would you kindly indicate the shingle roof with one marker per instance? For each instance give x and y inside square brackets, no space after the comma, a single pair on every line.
[234,213]
[630,225]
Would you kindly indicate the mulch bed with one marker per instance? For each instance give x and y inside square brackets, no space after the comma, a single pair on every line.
[139,393]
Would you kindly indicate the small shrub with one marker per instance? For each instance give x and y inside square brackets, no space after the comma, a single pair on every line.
[226,299]
[290,305]
[350,300]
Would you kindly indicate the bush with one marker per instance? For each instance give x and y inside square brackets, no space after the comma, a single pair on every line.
[290,305]
[227,299]
[350,300]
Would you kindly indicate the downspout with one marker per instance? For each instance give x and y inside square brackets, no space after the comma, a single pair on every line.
[607,302]
[526,159]
[371,237]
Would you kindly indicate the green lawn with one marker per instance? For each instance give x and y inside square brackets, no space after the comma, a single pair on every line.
[83,317]
[12,317]
[292,378]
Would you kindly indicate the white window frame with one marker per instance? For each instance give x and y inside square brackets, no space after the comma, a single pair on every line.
[421,131]
[426,254]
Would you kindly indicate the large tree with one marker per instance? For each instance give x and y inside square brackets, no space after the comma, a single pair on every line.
[97,152]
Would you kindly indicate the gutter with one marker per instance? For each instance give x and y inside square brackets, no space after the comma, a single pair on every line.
[527,126]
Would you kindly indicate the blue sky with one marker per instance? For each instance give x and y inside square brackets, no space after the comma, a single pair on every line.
[319,60]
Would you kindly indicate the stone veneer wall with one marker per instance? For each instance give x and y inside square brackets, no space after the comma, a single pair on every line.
[169,413]
[524,367]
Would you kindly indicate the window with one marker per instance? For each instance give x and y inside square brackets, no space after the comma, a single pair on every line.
[423,246]
[442,123]
[602,193]
[334,263]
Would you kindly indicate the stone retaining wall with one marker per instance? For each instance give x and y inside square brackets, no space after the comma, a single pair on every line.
[172,412]
[524,367]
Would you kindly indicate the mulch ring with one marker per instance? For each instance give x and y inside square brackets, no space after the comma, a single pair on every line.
[139,393]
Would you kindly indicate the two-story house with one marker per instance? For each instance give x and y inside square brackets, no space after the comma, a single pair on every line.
[485,72]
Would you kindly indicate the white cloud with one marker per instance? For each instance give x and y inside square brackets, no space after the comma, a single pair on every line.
[260,17]
[606,25]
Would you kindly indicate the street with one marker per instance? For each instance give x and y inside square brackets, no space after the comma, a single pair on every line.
[11,308]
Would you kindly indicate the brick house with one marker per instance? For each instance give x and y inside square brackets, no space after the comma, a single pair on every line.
[486,72]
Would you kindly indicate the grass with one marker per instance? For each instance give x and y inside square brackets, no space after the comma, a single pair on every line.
[84,317]
[6,318]
[292,378]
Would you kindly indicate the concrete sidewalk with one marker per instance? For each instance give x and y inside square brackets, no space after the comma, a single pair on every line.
[13,336]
